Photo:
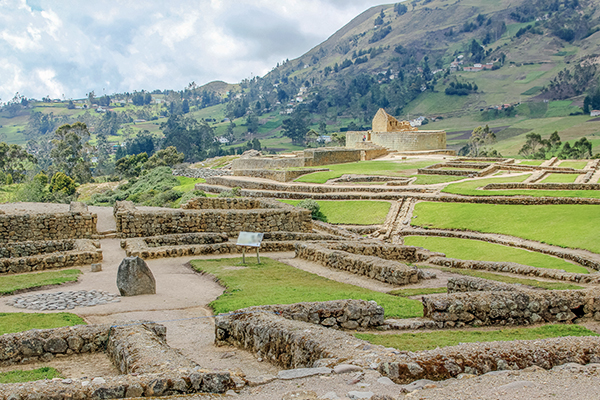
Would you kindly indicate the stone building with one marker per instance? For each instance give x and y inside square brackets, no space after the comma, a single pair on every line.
[398,136]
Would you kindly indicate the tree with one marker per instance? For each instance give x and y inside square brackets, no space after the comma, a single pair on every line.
[295,128]
[131,166]
[142,143]
[62,183]
[14,160]
[480,137]
[534,146]
[70,152]
[169,157]
[189,136]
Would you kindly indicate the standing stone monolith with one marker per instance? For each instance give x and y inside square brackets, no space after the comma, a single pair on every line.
[135,278]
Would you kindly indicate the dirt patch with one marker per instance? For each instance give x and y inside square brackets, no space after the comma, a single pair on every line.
[232,268]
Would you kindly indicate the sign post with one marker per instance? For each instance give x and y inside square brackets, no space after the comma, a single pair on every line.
[249,239]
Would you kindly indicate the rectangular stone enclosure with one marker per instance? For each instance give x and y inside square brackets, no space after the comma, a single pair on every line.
[223,215]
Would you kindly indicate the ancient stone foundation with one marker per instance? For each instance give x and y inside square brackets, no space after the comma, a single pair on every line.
[50,254]
[76,224]
[228,216]
[149,366]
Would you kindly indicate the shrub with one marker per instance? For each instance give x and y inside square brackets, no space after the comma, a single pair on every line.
[191,195]
[314,208]
[62,183]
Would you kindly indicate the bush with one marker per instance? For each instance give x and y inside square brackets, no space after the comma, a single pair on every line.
[62,183]
[191,195]
[314,208]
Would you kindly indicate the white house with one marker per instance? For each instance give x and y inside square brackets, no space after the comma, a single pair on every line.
[223,140]
[595,113]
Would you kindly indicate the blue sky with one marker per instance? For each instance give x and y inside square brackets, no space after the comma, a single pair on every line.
[71,47]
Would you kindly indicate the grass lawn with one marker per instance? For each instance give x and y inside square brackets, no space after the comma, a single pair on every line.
[352,212]
[19,322]
[560,178]
[531,162]
[517,281]
[573,164]
[417,291]
[433,179]
[477,250]
[11,283]
[28,376]
[431,340]
[385,168]
[469,188]
[272,282]
[186,184]
[575,226]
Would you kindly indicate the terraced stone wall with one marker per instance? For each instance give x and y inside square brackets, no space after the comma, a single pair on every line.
[47,226]
[524,307]
[132,222]
[276,175]
[542,186]
[373,267]
[43,255]
[471,284]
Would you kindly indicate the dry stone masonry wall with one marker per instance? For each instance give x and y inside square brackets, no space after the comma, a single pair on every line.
[150,367]
[132,222]
[43,255]
[470,284]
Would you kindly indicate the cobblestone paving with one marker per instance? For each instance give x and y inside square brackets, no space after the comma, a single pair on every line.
[63,300]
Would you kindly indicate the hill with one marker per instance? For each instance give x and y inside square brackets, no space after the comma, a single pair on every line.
[538,62]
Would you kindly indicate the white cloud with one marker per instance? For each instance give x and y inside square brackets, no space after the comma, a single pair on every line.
[72,47]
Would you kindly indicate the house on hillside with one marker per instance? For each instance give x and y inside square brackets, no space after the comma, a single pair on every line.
[595,113]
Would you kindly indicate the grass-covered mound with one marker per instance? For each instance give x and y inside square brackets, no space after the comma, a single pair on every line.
[11,283]
[574,226]
[19,322]
[431,340]
[272,282]
[483,251]
[158,187]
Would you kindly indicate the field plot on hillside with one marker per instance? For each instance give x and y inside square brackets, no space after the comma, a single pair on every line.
[272,282]
[575,226]
[477,250]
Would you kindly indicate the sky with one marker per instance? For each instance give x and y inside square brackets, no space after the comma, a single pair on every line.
[68,48]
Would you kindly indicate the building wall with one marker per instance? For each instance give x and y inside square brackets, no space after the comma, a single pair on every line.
[401,141]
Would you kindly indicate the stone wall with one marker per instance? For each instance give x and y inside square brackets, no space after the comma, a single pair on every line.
[408,254]
[284,342]
[199,172]
[191,244]
[524,307]
[141,223]
[460,284]
[267,163]
[282,175]
[340,155]
[39,256]
[150,367]
[401,141]
[388,271]
[47,226]
[515,268]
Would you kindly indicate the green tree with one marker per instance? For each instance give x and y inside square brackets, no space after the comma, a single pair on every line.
[480,138]
[14,161]
[189,136]
[62,183]
[295,128]
[70,152]
[130,166]
[169,157]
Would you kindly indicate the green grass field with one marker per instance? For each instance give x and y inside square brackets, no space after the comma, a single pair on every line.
[573,164]
[432,340]
[417,291]
[470,188]
[11,283]
[575,226]
[532,162]
[19,322]
[29,375]
[477,250]
[384,168]
[513,280]
[433,179]
[559,178]
[187,184]
[352,212]
[272,282]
